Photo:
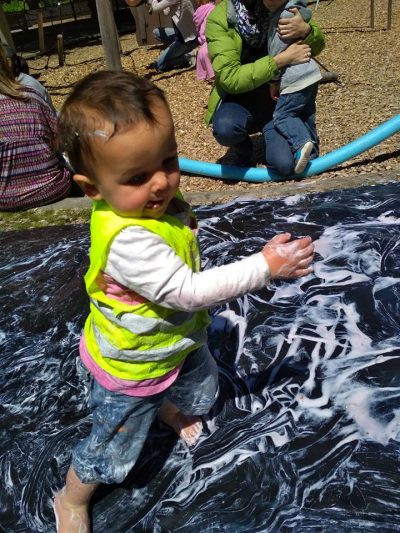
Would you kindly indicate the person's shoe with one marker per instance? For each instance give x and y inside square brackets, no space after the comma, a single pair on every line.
[192,57]
[152,66]
[235,159]
[302,157]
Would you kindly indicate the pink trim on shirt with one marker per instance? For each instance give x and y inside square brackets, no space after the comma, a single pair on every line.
[145,387]
[117,291]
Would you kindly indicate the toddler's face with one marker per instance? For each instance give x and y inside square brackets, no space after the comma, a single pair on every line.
[136,170]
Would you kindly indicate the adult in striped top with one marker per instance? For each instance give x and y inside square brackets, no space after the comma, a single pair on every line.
[30,173]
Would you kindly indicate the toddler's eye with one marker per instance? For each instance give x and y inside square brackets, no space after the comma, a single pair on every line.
[171,161]
[137,180]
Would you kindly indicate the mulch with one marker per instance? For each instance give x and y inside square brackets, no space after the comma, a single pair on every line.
[365,59]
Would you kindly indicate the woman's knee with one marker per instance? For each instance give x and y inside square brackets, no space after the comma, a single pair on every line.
[229,129]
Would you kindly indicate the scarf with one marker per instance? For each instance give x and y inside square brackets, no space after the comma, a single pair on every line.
[252,23]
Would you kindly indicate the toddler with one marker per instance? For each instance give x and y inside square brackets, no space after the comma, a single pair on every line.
[296,89]
[145,340]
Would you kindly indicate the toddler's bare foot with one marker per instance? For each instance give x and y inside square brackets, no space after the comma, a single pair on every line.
[188,427]
[70,518]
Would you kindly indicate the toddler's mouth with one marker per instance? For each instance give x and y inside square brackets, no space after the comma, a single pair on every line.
[154,204]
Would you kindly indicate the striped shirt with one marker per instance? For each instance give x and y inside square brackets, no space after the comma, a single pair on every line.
[30,174]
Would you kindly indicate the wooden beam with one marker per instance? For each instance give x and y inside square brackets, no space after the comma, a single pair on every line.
[389,15]
[372,14]
[42,45]
[60,49]
[5,33]
[109,35]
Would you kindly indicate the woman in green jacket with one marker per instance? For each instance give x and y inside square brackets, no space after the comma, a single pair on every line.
[240,103]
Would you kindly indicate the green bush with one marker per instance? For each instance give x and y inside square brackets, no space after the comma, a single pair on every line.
[14,6]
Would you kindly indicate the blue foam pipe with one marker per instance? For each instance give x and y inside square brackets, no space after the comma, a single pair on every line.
[321,164]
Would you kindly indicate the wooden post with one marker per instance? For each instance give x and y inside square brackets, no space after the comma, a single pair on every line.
[60,49]
[5,33]
[372,20]
[73,9]
[42,46]
[389,15]
[109,35]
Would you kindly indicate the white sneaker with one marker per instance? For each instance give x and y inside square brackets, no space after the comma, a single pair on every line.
[192,57]
[303,157]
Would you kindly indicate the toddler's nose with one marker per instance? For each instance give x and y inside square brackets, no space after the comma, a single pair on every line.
[160,180]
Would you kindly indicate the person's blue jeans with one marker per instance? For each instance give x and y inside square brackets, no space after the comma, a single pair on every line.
[165,35]
[232,124]
[121,423]
[176,55]
[294,118]
[278,154]
[239,116]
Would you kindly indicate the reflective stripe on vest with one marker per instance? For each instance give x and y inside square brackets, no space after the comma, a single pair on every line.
[156,354]
[141,324]
[144,340]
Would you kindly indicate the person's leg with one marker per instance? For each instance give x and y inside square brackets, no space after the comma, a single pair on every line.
[192,395]
[168,59]
[71,505]
[176,55]
[164,35]
[308,116]
[187,427]
[120,427]
[232,123]
[278,154]
[288,118]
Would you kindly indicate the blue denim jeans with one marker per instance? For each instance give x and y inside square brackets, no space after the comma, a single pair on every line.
[239,116]
[294,118]
[232,124]
[121,423]
[164,35]
[176,54]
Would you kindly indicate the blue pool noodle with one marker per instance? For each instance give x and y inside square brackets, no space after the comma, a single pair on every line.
[317,166]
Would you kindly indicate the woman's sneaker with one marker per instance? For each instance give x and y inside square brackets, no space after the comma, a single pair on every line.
[302,157]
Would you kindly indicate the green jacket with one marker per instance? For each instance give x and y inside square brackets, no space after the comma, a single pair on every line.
[225,48]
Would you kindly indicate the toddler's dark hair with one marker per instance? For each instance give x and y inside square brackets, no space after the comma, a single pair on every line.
[120,98]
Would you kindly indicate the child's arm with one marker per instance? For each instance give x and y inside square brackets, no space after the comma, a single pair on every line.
[155,5]
[153,270]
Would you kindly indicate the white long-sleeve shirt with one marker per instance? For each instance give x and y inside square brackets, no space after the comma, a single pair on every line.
[143,262]
[182,14]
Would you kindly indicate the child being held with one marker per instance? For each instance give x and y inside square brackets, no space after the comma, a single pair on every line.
[145,340]
[296,89]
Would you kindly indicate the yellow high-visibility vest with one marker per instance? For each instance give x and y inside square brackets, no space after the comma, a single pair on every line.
[144,340]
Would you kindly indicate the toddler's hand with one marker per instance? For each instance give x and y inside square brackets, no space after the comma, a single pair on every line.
[289,259]
[274,90]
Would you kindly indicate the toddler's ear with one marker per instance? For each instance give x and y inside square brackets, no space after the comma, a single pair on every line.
[87,186]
